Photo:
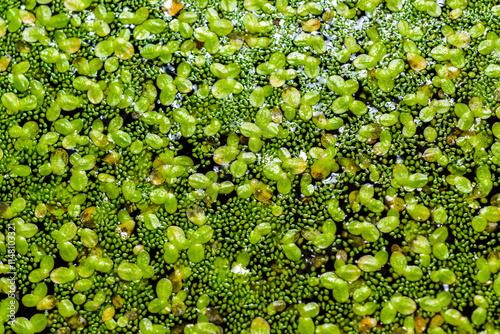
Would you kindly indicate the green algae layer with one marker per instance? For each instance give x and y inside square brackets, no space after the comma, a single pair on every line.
[250,167]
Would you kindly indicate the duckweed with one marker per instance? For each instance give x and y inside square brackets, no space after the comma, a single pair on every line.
[249,167]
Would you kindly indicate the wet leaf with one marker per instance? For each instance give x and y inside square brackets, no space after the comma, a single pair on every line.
[420,245]
[416,61]
[62,275]
[129,271]
[349,272]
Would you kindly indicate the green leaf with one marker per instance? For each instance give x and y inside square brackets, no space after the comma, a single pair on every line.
[292,252]
[260,326]
[196,253]
[388,224]
[404,305]
[398,263]
[129,271]
[349,272]
[420,245]
[199,181]
[62,275]
[305,326]
[23,326]
[369,263]
[223,88]
[388,313]
[250,130]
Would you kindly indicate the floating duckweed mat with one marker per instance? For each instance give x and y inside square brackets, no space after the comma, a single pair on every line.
[249,167]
